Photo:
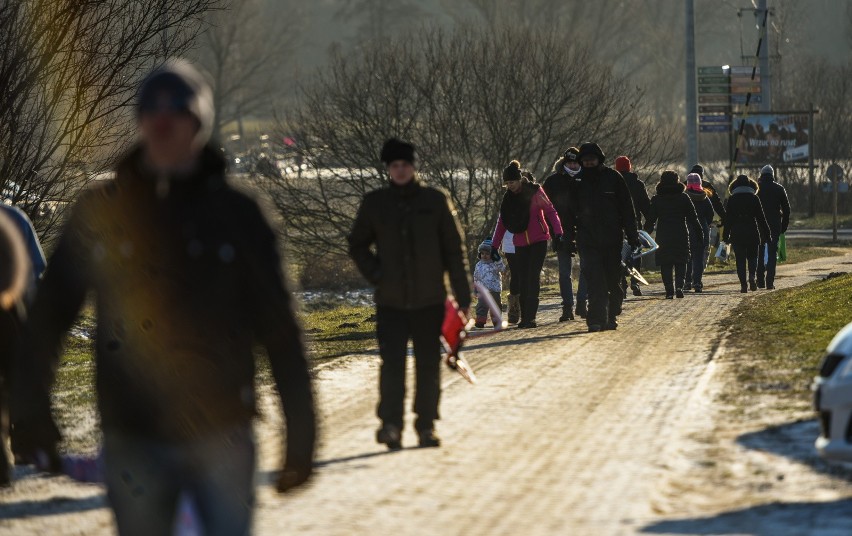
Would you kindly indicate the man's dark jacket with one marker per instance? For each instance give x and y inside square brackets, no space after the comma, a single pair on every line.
[186,276]
[775,203]
[417,241]
[600,210]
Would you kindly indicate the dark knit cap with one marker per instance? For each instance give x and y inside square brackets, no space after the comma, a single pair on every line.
[512,172]
[178,86]
[572,154]
[669,177]
[589,148]
[698,168]
[396,149]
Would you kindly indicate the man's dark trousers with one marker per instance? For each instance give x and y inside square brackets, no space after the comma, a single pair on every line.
[766,270]
[394,327]
[602,269]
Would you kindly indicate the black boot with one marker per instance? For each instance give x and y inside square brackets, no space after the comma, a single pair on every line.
[581,309]
[390,435]
[566,314]
[428,438]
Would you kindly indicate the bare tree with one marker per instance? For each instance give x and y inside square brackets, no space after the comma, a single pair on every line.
[380,18]
[247,49]
[68,71]
[471,102]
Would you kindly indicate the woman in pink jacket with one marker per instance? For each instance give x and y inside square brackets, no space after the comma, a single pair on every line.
[527,213]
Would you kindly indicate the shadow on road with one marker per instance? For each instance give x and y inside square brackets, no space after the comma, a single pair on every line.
[773,519]
[51,507]
[795,440]
[269,477]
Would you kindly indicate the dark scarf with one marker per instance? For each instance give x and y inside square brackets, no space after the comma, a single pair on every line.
[515,208]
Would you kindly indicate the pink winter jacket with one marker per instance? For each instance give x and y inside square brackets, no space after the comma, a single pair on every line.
[537,230]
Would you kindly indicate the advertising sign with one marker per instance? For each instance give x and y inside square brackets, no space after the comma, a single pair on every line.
[778,139]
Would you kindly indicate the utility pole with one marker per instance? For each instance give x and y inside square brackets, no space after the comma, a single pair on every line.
[765,78]
[691,98]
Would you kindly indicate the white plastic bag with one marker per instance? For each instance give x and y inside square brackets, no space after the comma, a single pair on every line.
[723,251]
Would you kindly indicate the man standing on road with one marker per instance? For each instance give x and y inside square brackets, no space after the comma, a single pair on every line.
[186,275]
[417,240]
[600,215]
[776,207]
[557,186]
[641,203]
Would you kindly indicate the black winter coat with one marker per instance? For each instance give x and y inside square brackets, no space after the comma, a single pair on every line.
[704,209]
[675,219]
[639,195]
[186,276]
[417,241]
[745,223]
[776,205]
[600,210]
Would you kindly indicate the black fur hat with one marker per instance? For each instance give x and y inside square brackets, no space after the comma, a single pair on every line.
[396,149]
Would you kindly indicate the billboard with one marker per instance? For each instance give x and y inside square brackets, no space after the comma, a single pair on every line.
[778,138]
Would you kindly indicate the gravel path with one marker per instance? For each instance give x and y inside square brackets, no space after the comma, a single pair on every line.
[566,433]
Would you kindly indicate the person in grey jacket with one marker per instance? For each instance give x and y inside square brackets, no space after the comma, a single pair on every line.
[417,241]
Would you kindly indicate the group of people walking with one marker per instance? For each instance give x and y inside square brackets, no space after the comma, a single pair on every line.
[186,275]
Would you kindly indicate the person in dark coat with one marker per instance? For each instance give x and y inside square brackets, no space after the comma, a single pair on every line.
[528,214]
[746,228]
[674,217]
[600,215]
[557,187]
[776,206]
[641,203]
[698,243]
[186,276]
[405,239]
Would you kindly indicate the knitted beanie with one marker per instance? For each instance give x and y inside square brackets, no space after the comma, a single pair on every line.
[693,182]
[512,172]
[622,164]
[177,85]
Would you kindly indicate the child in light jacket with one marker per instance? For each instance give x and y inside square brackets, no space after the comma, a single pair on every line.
[487,271]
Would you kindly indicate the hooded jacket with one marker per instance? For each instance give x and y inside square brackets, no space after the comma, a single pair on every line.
[186,276]
[775,203]
[674,217]
[417,242]
[745,223]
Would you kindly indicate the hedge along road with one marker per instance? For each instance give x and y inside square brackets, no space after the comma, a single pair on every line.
[566,433]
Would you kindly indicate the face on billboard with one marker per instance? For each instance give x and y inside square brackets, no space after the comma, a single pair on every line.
[773,139]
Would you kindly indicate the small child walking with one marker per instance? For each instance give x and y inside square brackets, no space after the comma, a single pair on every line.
[487,271]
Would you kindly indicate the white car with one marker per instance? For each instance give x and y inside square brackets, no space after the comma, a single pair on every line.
[833,398]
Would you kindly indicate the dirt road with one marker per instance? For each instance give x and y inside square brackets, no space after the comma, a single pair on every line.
[567,433]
